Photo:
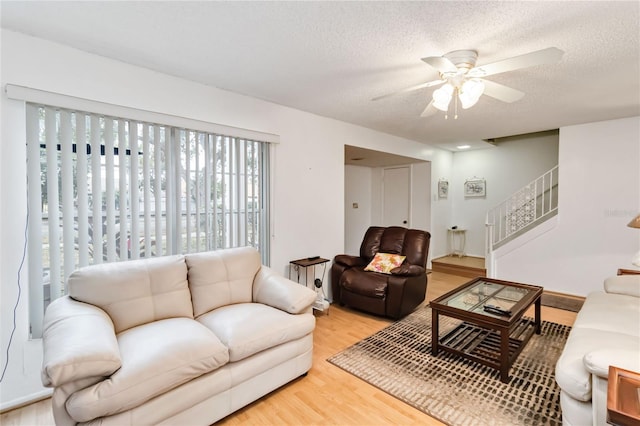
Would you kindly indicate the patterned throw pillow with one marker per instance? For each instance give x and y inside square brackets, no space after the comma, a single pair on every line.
[385,262]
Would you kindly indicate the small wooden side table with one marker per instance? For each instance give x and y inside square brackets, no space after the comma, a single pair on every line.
[307,263]
[457,241]
[321,304]
[623,397]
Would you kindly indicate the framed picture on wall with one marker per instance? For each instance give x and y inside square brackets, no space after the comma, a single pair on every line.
[443,189]
[475,188]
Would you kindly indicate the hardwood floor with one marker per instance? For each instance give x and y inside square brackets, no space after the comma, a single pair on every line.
[327,395]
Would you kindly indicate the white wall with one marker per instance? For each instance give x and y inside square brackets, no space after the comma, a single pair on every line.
[308,172]
[357,189]
[364,185]
[421,197]
[441,208]
[511,164]
[599,165]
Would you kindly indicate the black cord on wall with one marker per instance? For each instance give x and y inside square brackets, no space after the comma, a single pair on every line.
[15,308]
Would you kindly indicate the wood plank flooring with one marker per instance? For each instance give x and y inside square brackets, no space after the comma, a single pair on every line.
[327,395]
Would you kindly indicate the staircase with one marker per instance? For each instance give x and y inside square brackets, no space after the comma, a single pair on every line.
[530,206]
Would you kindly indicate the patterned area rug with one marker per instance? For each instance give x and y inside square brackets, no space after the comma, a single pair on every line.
[398,360]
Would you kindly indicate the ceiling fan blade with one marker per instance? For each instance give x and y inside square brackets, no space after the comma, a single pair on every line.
[501,92]
[411,89]
[441,63]
[429,110]
[544,56]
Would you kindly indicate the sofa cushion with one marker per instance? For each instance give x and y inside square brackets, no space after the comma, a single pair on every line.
[598,362]
[624,284]
[135,292]
[616,313]
[220,278]
[248,328]
[156,357]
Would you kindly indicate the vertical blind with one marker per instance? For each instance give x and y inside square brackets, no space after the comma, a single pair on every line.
[106,189]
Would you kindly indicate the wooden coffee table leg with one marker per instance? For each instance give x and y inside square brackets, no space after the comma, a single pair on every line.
[434,332]
[504,355]
[537,318]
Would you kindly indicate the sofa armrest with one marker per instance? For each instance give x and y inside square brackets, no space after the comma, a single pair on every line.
[598,362]
[623,284]
[408,270]
[79,341]
[61,395]
[350,261]
[279,292]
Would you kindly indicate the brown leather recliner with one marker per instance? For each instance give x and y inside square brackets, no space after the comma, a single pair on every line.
[392,295]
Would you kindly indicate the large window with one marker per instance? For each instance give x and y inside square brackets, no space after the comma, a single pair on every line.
[106,189]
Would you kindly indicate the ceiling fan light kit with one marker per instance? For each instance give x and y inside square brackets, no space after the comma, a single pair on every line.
[470,92]
[463,80]
[442,97]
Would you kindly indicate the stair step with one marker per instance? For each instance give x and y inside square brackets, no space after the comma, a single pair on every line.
[466,266]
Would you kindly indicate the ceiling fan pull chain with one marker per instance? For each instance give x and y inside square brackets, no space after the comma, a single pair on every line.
[455,117]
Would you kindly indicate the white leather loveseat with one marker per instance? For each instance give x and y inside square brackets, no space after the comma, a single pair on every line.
[181,340]
[606,332]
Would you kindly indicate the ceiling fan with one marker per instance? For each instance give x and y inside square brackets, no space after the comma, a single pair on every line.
[463,80]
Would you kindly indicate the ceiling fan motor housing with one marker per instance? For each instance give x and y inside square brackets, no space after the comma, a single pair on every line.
[465,59]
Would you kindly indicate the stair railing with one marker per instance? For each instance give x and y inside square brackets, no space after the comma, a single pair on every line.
[526,208]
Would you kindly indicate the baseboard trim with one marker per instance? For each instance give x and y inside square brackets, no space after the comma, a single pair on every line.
[25,400]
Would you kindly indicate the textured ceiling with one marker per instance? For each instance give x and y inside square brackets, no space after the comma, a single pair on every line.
[332,58]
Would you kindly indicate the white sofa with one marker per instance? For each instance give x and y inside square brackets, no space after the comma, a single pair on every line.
[606,332]
[183,340]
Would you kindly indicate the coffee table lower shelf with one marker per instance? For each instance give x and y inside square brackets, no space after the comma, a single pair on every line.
[482,345]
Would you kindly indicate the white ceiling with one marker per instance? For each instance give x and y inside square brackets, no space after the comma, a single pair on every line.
[332,58]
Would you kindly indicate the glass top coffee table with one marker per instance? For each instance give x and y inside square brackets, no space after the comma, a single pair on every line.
[493,330]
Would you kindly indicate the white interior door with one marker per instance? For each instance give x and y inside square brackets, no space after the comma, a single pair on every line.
[396,184]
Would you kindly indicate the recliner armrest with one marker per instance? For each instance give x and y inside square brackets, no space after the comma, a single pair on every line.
[279,292]
[350,261]
[408,270]
[79,342]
